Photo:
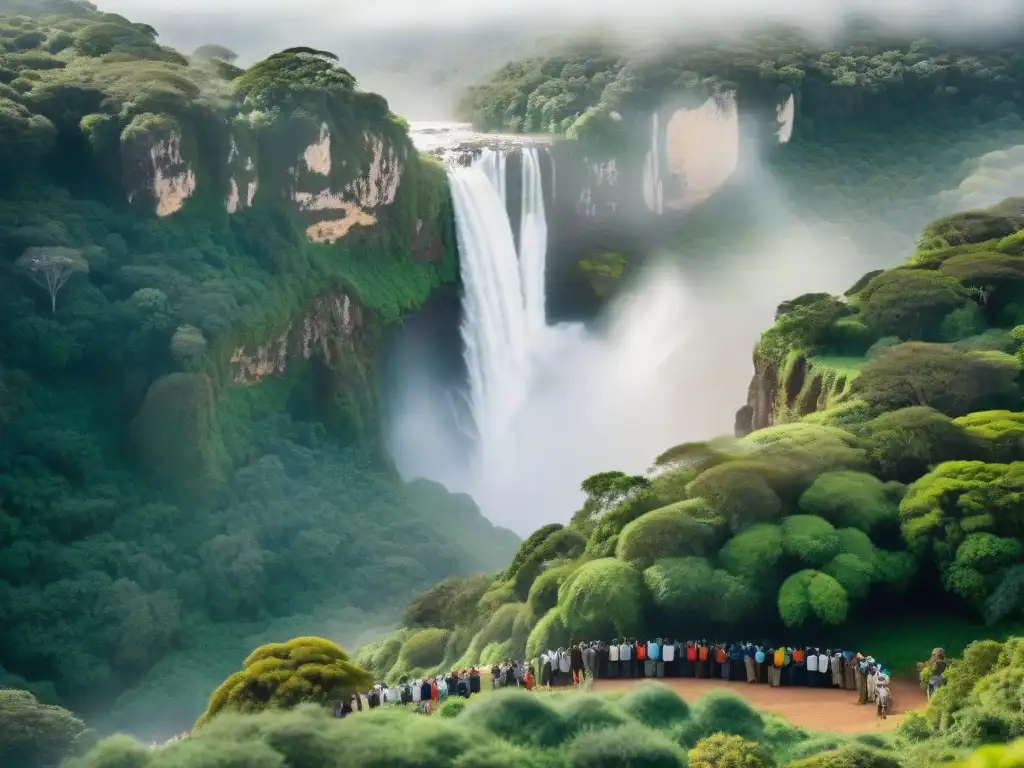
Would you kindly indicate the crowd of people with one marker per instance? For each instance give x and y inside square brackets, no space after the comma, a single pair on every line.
[424,693]
[736,661]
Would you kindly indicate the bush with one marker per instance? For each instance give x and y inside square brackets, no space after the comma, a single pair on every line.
[423,649]
[940,377]
[754,553]
[544,591]
[809,539]
[284,675]
[852,573]
[721,712]
[812,594]
[905,444]
[517,716]
[452,707]
[674,531]
[628,745]
[725,751]
[737,494]
[548,633]
[588,712]
[850,755]
[910,304]
[850,499]
[605,598]
[690,592]
[35,735]
[914,728]
[655,705]
[1001,431]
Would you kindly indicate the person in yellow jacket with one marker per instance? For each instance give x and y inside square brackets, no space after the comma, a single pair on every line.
[778,662]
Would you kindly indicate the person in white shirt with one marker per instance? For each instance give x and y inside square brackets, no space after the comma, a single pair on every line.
[668,656]
[882,695]
[625,659]
[613,659]
[824,678]
[416,688]
[812,669]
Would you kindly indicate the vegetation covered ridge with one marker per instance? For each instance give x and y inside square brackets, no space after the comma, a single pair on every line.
[971,722]
[869,75]
[197,264]
[903,493]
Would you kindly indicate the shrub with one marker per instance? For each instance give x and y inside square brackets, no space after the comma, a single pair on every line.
[963,323]
[850,755]
[188,345]
[284,675]
[850,499]
[423,649]
[905,444]
[517,716]
[672,531]
[914,728]
[1002,431]
[721,712]
[452,707]
[938,376]
[627,745]
[604,598]
[544,591]
[855,575]
[588,712]
[725,751]
[689,591]
[987,553]
[910,304]
[737,494]
[808,594]
[35,735]
[809,539]
[549,632]
[655,705]
[969,227]
[880,346]
[754,553]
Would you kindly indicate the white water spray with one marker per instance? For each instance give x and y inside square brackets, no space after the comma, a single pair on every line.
[654,190]
[533,243]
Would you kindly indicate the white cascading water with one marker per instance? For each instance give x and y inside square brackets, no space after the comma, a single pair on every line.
[654,195]
[494,326]
[550,404]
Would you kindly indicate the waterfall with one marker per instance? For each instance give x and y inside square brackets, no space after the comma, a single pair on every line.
[654,194]
[504,295]
[533,240]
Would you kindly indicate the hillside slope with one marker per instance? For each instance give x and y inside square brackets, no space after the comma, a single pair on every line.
[197,266]
[879,469]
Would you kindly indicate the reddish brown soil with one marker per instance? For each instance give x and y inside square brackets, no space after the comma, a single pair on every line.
[819,709]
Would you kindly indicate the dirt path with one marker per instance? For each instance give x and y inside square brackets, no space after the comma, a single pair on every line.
[817,709]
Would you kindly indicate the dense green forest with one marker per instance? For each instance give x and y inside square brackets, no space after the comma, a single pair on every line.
[967,724]
[188,396]
[871,75]
[880,465]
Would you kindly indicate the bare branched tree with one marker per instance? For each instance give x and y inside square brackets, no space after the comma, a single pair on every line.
[51,268]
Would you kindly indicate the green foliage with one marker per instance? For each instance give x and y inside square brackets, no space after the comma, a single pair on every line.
[940,377]
[519,717]
[674,531]
[35,735]
[737,494]
[850,499]
[904,444]
[1002,431]
[811,594]
[284,675]
[910,304]
[625,745]
[603,599]
[655,705]
[754,553]
[422,650]
[725,751]
[811,540]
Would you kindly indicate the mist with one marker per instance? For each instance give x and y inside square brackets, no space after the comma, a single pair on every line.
[421,56]
[668,361]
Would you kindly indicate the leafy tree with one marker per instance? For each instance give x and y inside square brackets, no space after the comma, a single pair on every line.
[284,675]
[940,377]
[51,268]
[294,77]
[850,499]
[602,599]
[681,529]
[35,735]
[211,52]
[910,304]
